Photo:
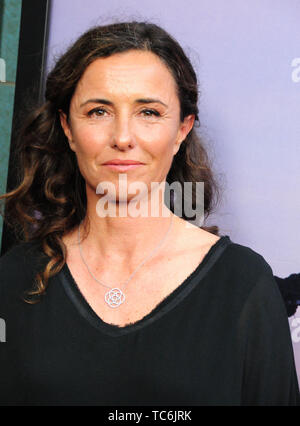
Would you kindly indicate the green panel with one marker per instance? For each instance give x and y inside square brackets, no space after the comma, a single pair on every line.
[10,16]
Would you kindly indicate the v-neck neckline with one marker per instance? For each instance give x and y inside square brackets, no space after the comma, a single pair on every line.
[166,305]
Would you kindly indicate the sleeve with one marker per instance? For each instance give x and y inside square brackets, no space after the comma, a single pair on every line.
[269,373]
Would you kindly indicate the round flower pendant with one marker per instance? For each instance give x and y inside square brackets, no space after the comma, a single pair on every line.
[114,297]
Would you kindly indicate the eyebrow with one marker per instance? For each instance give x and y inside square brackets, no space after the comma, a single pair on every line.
[138,101]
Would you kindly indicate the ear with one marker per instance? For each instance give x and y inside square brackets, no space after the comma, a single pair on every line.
[66,128]
[184,129]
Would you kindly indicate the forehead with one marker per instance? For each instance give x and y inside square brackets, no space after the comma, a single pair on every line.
[132,72]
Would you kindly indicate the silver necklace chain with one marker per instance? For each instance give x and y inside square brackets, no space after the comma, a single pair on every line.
[115,297]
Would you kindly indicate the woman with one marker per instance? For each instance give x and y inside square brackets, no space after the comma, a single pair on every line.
[130,310]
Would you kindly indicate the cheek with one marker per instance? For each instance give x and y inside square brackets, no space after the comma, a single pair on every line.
[89,139]
[159,138]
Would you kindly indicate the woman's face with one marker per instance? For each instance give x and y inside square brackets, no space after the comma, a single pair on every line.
[125,107]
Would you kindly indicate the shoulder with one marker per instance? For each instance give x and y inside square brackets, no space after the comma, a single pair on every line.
[193,238]
[19,262]
[18,253]
[231,261]
[243,281]
[241,271]
[244,261]
[239,259]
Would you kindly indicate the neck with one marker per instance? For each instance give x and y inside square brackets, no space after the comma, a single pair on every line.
[126,240]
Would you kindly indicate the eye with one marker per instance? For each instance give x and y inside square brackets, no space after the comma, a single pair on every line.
[98,112]
[150,113]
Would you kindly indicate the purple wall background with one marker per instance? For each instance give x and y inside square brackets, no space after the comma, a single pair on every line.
[249,107]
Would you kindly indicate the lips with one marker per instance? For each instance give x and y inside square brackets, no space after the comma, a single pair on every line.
[122,162]
[123,167]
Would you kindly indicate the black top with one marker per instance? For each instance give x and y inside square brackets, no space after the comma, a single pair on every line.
[221,338]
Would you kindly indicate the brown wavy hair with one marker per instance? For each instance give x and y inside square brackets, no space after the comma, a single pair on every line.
[50,198]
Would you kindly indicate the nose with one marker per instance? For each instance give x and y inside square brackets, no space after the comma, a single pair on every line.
[123,137]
